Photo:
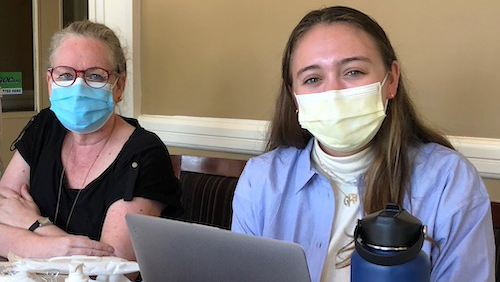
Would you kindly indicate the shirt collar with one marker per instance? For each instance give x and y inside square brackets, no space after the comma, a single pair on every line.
[305,169]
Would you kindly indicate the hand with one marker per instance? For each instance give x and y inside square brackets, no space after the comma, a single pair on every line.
[73,245]
[18,209]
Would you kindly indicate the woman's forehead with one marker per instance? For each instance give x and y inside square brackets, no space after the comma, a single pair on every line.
[334,42]
[82,52]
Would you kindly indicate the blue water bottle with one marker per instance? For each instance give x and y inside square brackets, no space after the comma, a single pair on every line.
[389,248]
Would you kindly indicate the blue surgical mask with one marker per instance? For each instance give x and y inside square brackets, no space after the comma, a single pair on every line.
[81,108]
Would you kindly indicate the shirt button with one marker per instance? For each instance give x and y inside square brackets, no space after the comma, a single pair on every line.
[319,245]
[135,165]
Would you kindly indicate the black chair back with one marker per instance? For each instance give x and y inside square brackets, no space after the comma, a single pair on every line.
[207,188]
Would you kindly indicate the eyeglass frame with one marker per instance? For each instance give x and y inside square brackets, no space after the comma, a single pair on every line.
[109,73]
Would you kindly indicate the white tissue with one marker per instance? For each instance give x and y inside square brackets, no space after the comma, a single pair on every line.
[18,277]
[107,269]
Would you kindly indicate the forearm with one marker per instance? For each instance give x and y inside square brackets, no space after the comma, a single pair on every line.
[22,241]
[18,241]
[25,243]
[29,244]
[25,220]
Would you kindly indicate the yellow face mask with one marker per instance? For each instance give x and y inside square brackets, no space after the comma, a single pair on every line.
[343,120]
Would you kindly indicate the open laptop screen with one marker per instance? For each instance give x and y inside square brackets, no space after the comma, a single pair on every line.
[169,250]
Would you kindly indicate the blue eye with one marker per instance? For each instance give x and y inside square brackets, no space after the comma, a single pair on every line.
[65,76]
[311,80]
[95,77]
[354,73]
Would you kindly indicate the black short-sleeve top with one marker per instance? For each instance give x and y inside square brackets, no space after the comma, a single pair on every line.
[141,169]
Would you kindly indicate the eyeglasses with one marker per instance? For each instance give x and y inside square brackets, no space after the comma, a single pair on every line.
[94,77]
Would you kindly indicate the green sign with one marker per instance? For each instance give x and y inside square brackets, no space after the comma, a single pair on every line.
[11,83]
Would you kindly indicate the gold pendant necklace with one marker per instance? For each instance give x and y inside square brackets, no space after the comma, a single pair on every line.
[349,198]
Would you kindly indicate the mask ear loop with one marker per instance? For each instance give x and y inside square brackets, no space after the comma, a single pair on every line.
[116,82]
[113,87]
[294,95]
[384,80]
[385,105]
[382,85]
[117,109]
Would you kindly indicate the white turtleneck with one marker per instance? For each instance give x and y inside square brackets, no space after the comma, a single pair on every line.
[343,173]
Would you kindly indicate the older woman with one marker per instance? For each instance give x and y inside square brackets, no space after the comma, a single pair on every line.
[344,142]
[79,167]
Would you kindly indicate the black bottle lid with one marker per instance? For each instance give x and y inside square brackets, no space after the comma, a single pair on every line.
[390,236]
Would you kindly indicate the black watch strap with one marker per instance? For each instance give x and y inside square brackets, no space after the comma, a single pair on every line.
[40,222]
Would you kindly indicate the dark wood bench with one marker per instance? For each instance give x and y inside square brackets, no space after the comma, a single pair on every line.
[207,188]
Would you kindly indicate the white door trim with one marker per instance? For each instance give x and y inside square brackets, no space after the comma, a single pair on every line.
[124,17]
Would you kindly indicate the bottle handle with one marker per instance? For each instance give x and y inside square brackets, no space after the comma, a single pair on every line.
[387,259]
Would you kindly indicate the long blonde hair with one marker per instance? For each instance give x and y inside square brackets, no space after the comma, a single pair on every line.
[388,177]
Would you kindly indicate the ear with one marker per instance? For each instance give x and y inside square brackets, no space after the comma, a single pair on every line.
[393,80]
[121,82]
[49,83]
[119,88]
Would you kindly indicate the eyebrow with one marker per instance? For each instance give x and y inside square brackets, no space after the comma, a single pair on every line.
[341,62]
[311,67]
[351,59]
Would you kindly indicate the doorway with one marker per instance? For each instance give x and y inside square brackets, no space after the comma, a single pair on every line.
[23,59]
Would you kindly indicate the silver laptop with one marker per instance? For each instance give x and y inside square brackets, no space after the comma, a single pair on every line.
[175,251]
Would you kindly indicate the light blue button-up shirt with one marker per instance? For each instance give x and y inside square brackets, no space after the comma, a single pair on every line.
[280,195]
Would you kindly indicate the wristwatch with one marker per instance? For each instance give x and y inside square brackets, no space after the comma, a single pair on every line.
[43,221]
